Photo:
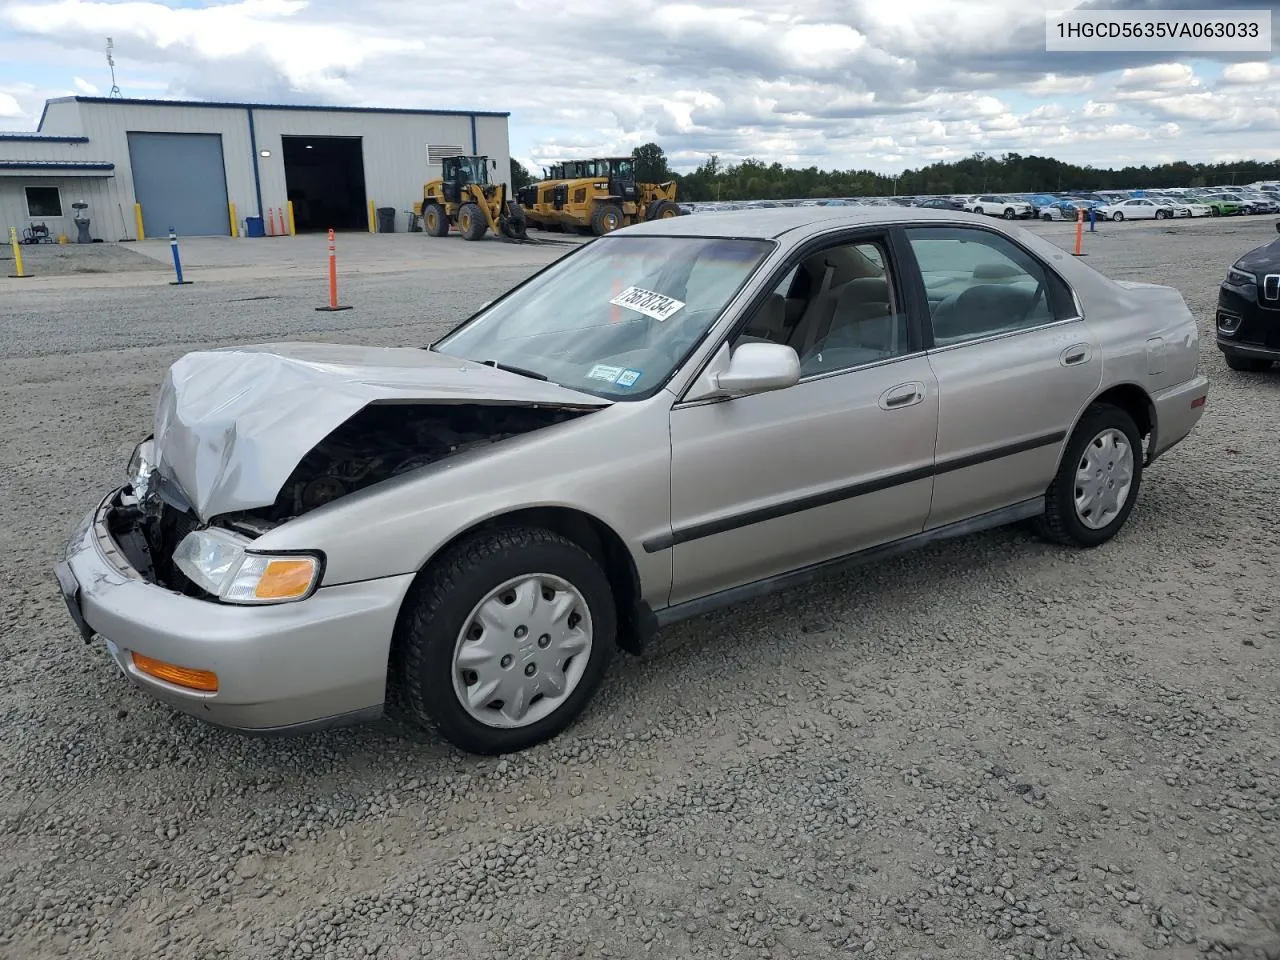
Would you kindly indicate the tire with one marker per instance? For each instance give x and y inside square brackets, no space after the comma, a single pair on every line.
[662,210]
[444,600]
[1247,364]
[1009,214]
[471,221]
[1117,216]
[605,218]
[1046,217]
[435,221]
[1063,522]
[977,210]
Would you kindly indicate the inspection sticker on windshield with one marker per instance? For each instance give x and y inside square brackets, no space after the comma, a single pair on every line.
[651,304]
[602,372]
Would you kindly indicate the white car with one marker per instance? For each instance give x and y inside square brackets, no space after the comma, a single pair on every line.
[1185,208]
[998,206]
[1139,208]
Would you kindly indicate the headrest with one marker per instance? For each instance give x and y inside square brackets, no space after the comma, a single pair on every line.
[864,290]
[996,271]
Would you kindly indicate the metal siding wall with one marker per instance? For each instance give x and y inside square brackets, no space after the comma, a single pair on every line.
[493,134]
[45,150]
[104,221]
[107,126]
[395,149]
[63,118]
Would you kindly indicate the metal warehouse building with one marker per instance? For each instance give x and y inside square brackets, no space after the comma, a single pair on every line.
[228,169]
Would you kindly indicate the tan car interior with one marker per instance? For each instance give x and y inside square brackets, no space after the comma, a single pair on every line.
[836,309]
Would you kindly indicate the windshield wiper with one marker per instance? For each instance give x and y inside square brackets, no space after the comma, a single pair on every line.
[531,374]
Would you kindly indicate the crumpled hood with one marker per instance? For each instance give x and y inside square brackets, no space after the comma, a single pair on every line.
[231,424]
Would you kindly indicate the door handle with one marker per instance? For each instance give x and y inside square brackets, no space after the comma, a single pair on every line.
[903,395]
[1074,354]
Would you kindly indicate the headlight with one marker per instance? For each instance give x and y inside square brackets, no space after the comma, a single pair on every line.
[141,466]
[1239,277]
[218,562]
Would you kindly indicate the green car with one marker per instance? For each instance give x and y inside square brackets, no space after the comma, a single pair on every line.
[1222,204]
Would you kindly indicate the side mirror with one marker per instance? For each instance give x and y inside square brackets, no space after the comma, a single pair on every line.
[752,368]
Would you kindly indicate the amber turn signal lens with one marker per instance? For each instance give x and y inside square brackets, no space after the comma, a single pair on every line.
[285,579]
[206,681]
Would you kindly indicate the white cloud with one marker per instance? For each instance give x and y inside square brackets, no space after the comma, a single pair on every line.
[1247,73]
[848,83]
[85,87]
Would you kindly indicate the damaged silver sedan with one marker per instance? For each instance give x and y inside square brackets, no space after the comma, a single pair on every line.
[675,417]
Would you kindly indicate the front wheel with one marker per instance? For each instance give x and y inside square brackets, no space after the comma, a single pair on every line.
[503,641]
[605,218]
[1009,213]
[471,221]
[977,210]
[1097,481]
[1117,216]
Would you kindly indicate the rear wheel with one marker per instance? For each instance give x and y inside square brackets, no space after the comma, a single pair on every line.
[503,641]
[605,218]
[471,221]
[1097,482]
[1247,364]
[435,220]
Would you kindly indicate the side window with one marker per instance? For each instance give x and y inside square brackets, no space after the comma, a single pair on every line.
[839,308]
[979,284]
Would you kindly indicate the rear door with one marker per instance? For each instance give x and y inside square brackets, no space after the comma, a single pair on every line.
[1014,362]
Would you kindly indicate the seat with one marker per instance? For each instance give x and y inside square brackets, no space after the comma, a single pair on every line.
[979,310]
[769,323]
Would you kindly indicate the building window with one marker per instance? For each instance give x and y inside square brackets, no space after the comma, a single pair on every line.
[44,202]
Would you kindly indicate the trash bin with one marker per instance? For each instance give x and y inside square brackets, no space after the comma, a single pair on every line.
[82,228]
[253,227]
[386,219]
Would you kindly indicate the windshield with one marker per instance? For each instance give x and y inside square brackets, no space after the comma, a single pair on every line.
[614,318]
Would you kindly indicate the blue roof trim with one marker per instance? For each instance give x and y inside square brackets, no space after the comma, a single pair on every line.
[54,165]
[282,106]
[40,138]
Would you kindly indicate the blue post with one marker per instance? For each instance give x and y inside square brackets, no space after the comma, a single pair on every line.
[177,260]
[1092,217]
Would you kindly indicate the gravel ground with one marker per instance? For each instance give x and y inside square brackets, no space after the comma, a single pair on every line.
[56,259]
[992,748]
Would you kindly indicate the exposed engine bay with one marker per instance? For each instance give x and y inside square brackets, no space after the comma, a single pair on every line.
[385,440]
[379,442]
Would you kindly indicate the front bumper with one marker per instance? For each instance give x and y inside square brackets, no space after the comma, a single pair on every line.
[1254,327]
[284,668]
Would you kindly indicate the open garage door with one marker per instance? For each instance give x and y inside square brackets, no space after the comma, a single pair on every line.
[181,182]
[324,177]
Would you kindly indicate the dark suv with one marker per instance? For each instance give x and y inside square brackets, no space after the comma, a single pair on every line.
[1248,318]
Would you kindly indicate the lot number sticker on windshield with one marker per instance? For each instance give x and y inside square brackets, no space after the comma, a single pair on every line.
[651,304]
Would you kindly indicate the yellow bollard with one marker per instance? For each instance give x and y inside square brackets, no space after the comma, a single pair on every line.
[293,231]
[373,220]
[17,254]
[235,224]
[137,219]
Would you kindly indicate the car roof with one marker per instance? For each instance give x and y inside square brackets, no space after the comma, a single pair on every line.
[771,223]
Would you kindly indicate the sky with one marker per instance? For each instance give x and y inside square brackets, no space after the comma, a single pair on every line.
[838,84]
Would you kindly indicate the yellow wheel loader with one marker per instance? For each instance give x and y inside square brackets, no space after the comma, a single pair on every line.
[601,198]
[463,196]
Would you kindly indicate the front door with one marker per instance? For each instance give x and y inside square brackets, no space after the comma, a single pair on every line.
[1015,365]
[765,484]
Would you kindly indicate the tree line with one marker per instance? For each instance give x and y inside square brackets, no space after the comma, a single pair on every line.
[753,179]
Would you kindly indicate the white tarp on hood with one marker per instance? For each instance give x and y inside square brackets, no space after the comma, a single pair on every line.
[231,424]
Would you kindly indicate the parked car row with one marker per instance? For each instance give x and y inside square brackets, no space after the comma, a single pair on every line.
[1115,205]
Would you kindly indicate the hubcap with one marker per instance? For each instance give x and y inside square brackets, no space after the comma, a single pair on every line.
[1104,477]
[522,651]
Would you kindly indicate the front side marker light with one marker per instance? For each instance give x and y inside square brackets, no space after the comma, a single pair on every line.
[273,579]
[204,681]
